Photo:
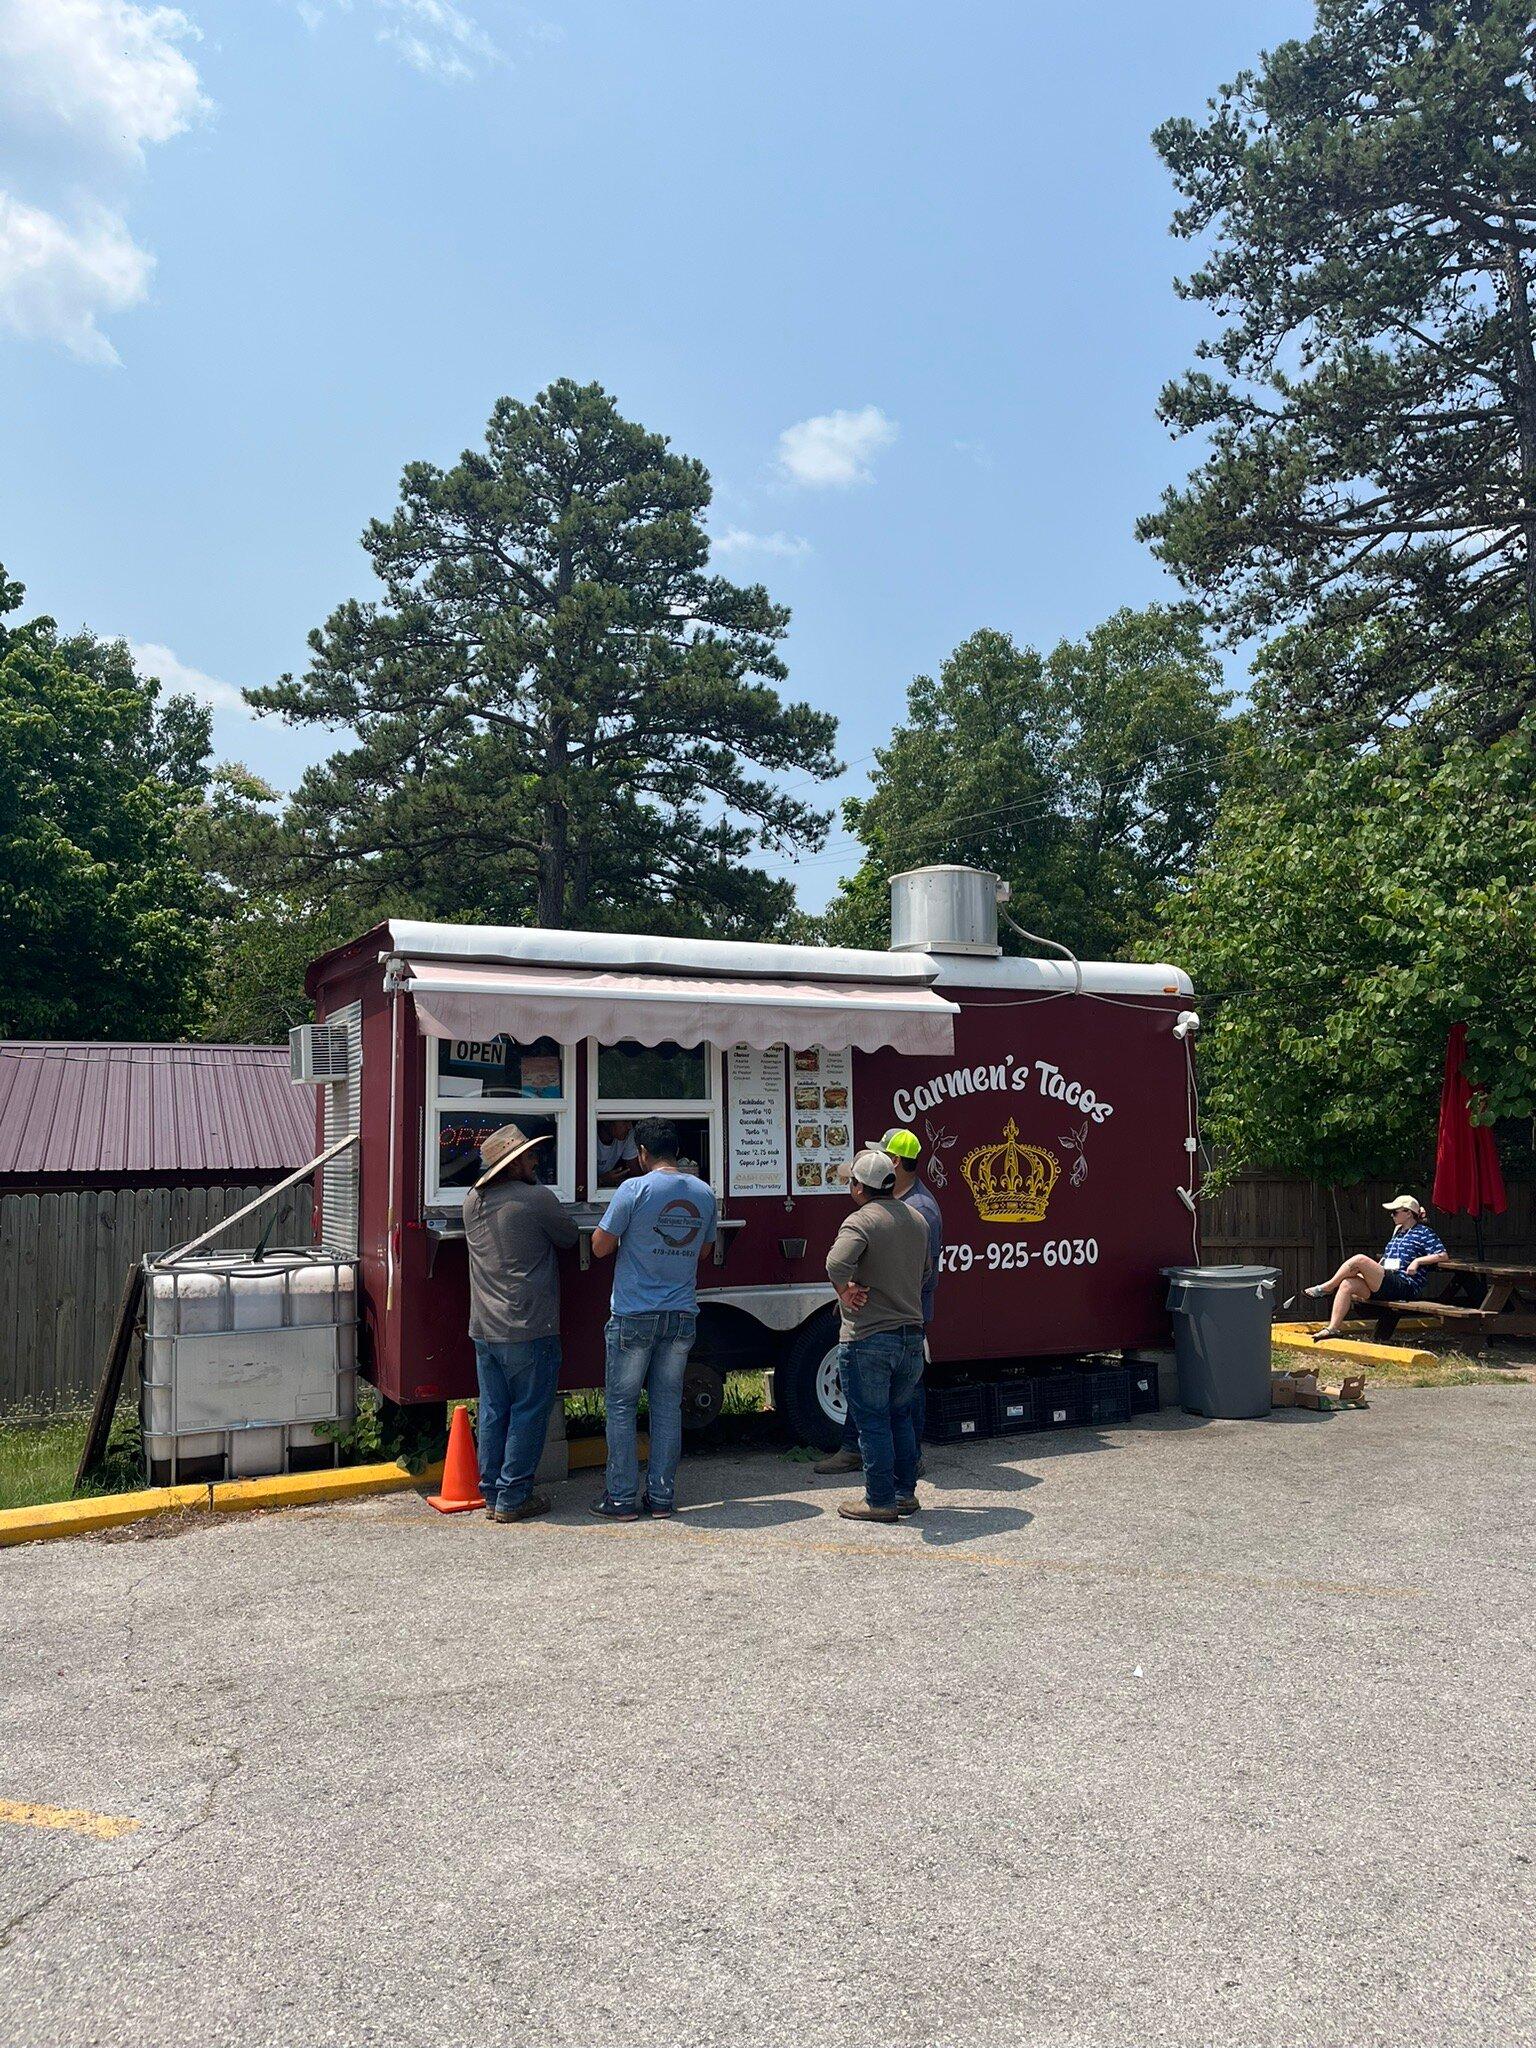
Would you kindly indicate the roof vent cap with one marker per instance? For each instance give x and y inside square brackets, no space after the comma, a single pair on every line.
[946,910]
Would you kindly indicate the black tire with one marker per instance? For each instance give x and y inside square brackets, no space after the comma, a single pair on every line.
[800,1383]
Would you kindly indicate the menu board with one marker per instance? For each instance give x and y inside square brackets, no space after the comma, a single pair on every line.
[821,1120]
[759,1097]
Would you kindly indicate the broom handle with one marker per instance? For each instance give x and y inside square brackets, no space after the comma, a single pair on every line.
[266,1195]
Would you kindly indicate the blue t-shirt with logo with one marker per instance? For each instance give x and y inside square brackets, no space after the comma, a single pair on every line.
[662,1222]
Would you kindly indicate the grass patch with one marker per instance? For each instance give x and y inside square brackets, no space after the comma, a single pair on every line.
[38,1459]
[1448,1369]
[745,1396]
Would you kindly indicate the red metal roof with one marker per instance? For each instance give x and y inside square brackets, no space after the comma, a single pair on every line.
[156,1110]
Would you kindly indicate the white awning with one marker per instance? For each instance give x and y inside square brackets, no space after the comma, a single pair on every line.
[454,1001]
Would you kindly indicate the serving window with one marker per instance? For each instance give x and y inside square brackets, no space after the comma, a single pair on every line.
[474,1086]
[629,1081]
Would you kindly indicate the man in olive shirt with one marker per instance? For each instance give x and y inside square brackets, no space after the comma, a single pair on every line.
[514,1225]
[878,1263]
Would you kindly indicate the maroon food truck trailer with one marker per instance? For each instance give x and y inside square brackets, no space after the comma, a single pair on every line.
[1055,1101]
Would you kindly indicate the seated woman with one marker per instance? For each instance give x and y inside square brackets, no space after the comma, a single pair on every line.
[1398,1275]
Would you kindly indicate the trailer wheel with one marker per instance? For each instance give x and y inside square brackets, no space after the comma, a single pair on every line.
[703,1395]
[807,1387]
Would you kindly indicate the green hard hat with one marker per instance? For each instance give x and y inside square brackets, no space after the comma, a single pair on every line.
[902,1144]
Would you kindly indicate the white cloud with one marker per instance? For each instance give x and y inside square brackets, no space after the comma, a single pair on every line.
[438,38]
[100,80]
[835,448]
[104,71]
[55,278]
[737,541]
[150,659]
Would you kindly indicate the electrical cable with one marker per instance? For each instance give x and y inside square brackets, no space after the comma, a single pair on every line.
[1036,940]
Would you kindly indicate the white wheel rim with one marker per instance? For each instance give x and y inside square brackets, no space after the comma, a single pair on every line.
[829,1389]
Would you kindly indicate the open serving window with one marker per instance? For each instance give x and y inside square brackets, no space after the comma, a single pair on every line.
[627,1081]
[474,1085]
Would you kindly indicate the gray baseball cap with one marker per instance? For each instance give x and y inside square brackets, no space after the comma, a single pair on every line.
[874,1170]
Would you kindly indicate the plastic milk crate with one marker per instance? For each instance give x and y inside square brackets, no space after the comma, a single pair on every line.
[1061,1401]
[1106,1394]
[1141,1379]
[958,1414]
[1015,1406]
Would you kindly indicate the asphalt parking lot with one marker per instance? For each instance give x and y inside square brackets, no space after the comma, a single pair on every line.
[1172,1733]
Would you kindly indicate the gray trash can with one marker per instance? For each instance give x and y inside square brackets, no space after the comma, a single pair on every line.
[1221,1320]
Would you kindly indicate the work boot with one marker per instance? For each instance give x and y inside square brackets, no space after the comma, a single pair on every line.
[535,1504]
[908,1504]
[490,1507]
[838,1461]
[861,1511]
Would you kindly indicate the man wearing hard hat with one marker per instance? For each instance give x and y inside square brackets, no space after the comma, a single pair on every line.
[906,1152]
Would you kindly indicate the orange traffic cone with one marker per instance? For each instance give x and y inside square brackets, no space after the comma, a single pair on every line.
[461,1470]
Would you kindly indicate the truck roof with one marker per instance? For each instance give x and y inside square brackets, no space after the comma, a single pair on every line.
[620,951]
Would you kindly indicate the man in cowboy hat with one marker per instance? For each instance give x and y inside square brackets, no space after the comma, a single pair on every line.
[514,1225]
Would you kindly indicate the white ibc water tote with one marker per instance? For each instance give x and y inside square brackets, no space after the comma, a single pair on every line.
[244,1355]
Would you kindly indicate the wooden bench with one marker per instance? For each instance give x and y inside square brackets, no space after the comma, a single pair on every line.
[1388,1314]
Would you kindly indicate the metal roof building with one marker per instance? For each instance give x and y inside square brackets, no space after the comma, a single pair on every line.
[141,1115]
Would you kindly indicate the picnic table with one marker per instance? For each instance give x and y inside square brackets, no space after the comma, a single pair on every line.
[1498,1299]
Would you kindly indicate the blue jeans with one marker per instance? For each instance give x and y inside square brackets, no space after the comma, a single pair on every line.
[645,1350]
[919,1422]
[517,1387]
[880,1375]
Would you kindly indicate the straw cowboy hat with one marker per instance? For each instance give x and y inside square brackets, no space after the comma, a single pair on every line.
[499,1148]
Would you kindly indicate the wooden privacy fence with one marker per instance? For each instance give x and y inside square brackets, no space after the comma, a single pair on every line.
[1305,1228]
[62,1261]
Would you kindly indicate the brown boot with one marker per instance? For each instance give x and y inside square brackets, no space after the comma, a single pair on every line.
[838,1461]
[535,1504]
[908,1504]
[861,1511]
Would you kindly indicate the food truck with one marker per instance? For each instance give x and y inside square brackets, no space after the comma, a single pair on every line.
[1055,1100]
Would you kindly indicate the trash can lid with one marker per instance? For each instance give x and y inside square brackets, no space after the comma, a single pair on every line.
[1222,1276]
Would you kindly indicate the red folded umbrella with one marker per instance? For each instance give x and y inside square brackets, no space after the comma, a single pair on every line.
[1467,1176]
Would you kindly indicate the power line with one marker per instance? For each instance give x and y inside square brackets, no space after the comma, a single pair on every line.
[1030,809]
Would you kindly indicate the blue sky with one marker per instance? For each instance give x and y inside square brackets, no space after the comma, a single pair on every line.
[899,276]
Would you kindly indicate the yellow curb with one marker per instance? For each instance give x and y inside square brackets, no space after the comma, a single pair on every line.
[305,1489]
[1298,1337]
[287,1490]
[86,1517]
[583,1452]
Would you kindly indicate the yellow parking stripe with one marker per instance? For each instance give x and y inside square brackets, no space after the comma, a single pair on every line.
[106,1827]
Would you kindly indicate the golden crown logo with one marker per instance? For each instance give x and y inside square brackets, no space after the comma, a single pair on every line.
[1010,1182]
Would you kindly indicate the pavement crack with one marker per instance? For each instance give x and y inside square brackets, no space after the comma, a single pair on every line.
[233,1763]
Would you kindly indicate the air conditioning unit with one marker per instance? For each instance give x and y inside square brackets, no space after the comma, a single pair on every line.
[318,1052]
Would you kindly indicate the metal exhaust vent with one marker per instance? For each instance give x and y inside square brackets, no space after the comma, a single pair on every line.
[946,910]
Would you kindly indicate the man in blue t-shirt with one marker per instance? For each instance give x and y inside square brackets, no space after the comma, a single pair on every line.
[660,1223]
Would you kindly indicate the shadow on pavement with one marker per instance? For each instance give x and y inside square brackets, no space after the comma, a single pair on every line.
[944,1525]
[756,1513]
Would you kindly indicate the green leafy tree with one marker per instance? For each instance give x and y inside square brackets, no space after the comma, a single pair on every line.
[263,937]
[1346,914]
[559,711]
[102,913]
[1367,203]
[1087,780]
